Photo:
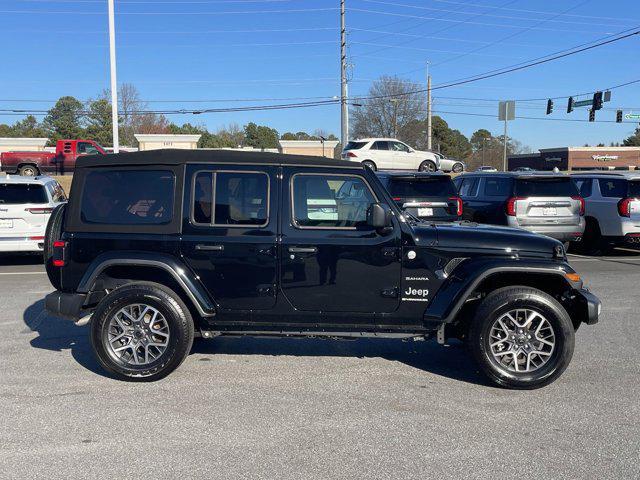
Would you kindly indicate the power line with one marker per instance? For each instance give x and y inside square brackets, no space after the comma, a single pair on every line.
[428,50]
[238,12]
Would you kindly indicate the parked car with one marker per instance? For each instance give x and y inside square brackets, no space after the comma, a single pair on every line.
[486,168]
[62,161]
[612,209]
[26,204]
[156,247]
[523,169]
[427,196]
[542,202]
[389,154]
[451,164]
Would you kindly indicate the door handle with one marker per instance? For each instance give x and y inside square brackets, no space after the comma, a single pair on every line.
[212,248]
[303,249]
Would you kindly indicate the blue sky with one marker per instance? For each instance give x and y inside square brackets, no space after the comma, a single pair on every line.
[229,49]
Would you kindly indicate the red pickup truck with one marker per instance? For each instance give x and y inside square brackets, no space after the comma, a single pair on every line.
[35,163]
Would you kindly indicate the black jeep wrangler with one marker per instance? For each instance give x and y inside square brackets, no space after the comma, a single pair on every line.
[157,247]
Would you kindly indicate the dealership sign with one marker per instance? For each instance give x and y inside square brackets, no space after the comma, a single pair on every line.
[604,158]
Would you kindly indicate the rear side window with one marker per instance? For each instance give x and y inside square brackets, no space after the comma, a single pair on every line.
[546,187]
[330,201]
[634,189]
[613,187]
[380,145]
[15,194]
[469,187]
[497,187]
[423,187]
[584,186]
[128,197]
[355,145]
[224,198]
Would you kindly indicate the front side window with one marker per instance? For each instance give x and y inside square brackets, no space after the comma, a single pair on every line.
[128,197]
[230,198]
[86,148]
[330,201]
[613,187]
[399,147]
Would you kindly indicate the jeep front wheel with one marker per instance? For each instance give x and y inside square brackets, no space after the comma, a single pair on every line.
[141,332]
[521,337]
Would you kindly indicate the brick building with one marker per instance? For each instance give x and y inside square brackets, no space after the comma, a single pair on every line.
[578,158]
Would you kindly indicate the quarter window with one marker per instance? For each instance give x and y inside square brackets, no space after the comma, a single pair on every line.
[468,187]
[584,186]
[330,201]
[613,187]
[225,198]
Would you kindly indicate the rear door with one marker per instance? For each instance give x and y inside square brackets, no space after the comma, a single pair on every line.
[24,210]
[229,239]
[547,201]
[426,197]
[381,155]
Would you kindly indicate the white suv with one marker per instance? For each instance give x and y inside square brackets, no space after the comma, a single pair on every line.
[389,154]
[26,204]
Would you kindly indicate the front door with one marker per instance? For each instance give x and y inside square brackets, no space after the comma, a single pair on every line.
[332,261]
[229,237]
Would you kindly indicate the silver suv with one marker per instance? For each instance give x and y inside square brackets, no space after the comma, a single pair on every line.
[612,209]
[541,202]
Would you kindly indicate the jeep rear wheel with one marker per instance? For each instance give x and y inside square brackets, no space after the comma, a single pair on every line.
[521,337]
[141,332]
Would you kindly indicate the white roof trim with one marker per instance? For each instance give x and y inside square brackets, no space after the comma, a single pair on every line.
[308,143]
[161,137]
[24,141]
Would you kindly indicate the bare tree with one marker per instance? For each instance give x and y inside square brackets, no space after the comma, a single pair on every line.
[391,104]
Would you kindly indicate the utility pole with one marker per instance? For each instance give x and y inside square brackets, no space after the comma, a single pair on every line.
[504,154]
[429,127]
[344,109]
[114,82]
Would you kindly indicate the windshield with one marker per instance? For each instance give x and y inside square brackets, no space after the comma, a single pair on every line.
[355,145]
[546,187]
[422,187]
[15,194]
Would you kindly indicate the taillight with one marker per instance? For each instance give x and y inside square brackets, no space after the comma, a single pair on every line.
[36,239]
[351,154]
[458,201]
[39,210]
[511,206]
[59,259]
[397,199]
[624,207]
[577,197]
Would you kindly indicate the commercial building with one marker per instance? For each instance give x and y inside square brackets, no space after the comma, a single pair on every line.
[158,141]
[316,148]
[9,144]
[579,158]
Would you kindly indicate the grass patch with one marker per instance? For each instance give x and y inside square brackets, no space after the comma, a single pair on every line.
[65,182]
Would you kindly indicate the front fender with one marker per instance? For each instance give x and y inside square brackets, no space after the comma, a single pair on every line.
[168,263]
[464,280]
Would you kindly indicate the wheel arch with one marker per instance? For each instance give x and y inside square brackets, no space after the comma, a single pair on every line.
[113,270]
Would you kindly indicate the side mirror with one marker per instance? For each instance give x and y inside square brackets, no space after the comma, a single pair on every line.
[379,216]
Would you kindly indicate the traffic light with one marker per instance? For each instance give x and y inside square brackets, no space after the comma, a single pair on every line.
[549,106]
[619,116]
[597,101]
[570,105]
[592,115]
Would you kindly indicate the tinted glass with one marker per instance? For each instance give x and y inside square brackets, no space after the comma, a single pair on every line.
[241,198]
[128,197]
[424,187]
[584,186]
[355,145]
[380,146]
[15,194]
[546,187]
[613,187]
[330,201]
[469,187]
[497,187]
[203,197]
[634,189]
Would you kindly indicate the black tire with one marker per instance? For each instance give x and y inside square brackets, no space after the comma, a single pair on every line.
[504,300]
[457,168]
[427,166]
[172,308]
[370,164]
[52,234]
[28,171]
[592,241]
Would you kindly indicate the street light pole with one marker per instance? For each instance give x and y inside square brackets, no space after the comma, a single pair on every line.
[344,107]
[429,128]
[114,82]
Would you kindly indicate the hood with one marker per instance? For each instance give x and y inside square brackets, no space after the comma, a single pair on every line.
[490,239]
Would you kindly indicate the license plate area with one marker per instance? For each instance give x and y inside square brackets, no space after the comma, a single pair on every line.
[425,212]
[6,223]
[549,211]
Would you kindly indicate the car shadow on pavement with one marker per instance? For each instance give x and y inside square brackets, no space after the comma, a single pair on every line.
[7,259]
[56,334]
[450,361]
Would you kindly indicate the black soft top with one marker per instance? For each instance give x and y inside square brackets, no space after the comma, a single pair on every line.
[174,156]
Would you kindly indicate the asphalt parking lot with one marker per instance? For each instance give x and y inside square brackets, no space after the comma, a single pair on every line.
[291,409]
